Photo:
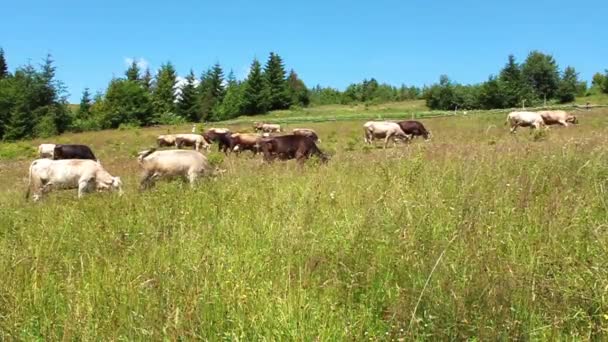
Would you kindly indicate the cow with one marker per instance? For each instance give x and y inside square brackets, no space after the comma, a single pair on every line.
[222,136]
[265,127]
[414,128]
[165,140]
[46,150]
[195,140]
[73,152]
[171,163]
[245,141]
[85,175]
[383,129]
[561,117]
[524,119]
[289,147]
[307,132]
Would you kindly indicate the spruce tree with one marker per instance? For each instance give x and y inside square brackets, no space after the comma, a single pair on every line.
[163,96]
[255,98]
[568,85]
[187,106]
[274,75]
[232,104]
[146,80]
[84,110]
[3,65]
[132,72]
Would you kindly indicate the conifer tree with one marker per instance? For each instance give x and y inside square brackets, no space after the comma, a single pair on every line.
[254,97]
[3,65]
[146,80]
[568,85]
[298,93]
[187,106]
[132,72]
[163,96]
[274,75]
[540,71]
[232,104]
[84,110]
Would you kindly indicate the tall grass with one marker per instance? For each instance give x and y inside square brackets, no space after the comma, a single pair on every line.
[328,252]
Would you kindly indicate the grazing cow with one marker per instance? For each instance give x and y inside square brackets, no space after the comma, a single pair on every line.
[195,140]
[265,127]
[85,175]
[165,140]
[289,147]
[307,132]
[46,150]
[561,117]
[383,129]
[414,128]
[245,141]
[73,152]
[171,163]
[221,135]
[524,119]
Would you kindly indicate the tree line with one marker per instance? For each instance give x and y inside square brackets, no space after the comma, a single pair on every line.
[537,80]
[33,102]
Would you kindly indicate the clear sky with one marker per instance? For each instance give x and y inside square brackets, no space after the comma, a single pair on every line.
[332,43]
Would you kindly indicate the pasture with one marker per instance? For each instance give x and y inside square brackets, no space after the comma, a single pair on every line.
[475,234]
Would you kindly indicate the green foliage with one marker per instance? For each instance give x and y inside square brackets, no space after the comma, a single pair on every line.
[15,151]
[188,102]
[212,93]
[568,87]
[132,72]
[126,102]
[298,93]
[84,110]
[605,83]
[232,105]
[146,80]
[325,95]
[513,86]
[163,95]
[255,96]
[275,83]
[540,71]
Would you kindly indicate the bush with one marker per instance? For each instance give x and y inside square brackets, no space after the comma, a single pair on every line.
[46,127]
[16,151]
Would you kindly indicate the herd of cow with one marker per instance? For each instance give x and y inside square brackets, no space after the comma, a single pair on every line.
[76,167]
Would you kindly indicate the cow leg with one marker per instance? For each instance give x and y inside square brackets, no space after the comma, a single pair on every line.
[388,136]
[513,129]
[147,181]
[563,123]
[192,176]
[84,186]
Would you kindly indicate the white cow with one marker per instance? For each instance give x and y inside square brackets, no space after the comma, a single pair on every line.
[266,127]
[46,150]
[383,129]
[84,174]
[195,140]
[171,163]
[525,119]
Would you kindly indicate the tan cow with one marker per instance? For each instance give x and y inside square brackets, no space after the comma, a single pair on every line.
[525,119]
[265,127]
[384,129]
[561,117]
[171,163]
[165,140]
[195,140]
[245,141]
[46,150]
[83,174]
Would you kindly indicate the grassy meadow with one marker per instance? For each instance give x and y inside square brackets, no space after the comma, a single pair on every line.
[476,234]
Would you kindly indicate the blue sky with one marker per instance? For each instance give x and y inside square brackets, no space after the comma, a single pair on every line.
[331,43]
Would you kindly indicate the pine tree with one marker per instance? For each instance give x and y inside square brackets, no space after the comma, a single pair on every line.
[568,85]
[84,110]
[274,75]
[126,102]
[540,71]
[255,98]
[3,65]
[232,105]
[132,72]
[163,96]
[146,80]
[187,106]
[513,88]
[298,93]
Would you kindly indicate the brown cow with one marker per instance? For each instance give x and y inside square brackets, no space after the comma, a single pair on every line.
[290,147]
[245,141]
[221,136]
[561,117]
[414,128]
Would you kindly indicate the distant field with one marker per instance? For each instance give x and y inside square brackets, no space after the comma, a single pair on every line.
[476,234]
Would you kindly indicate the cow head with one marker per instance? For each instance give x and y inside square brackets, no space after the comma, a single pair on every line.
[572,119]
[110,183]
